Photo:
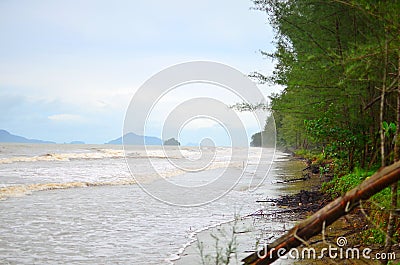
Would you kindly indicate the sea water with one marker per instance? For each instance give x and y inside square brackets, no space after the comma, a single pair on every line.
[80,204]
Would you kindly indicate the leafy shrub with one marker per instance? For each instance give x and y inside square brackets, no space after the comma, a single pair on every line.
[339,185]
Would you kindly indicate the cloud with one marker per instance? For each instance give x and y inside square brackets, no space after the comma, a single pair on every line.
[199,123]
[66,117]
[63,58]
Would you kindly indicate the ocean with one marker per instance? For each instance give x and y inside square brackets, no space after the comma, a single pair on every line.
[101,204]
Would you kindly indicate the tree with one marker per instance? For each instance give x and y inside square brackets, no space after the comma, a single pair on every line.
[266,138]
[339,64]
[330,59]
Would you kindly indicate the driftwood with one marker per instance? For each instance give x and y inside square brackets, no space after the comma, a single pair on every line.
[293,180]
[326,216]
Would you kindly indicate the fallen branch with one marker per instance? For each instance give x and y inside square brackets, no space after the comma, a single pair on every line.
[293,210]
[293,180]
[326,216]
[272,200]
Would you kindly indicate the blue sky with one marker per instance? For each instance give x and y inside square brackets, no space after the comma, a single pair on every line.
[68,69]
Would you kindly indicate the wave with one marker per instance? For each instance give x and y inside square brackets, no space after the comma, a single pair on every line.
[100,154]
[26,189]
[21,190]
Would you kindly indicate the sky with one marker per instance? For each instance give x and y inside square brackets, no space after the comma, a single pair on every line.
[68,69]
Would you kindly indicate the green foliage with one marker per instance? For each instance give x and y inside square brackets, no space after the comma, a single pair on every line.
[382,200]
[323,170]
[266,138]
[303,153]
[256,140]
[374,236]
[389,128]
[339,185]
[330,60]
[316,156]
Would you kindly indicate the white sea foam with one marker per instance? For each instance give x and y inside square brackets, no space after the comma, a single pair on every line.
[98,166]
[21,190]
[102,153]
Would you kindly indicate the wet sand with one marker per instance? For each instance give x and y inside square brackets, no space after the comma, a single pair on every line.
[246,233]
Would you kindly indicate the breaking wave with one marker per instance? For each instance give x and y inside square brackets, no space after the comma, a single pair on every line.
[94,167]
[21,190]
[100,154]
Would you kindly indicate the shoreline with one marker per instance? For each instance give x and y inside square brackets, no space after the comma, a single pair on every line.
[300,198]
[270,221]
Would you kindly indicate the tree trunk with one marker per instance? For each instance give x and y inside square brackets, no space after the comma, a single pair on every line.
[326,216]
[392,215]
[382,106]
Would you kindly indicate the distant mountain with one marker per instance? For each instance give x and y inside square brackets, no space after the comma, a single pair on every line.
[77,142]
[7,137]
[134,139]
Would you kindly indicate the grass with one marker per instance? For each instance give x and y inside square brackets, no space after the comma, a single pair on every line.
[318,157]
[221,255]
